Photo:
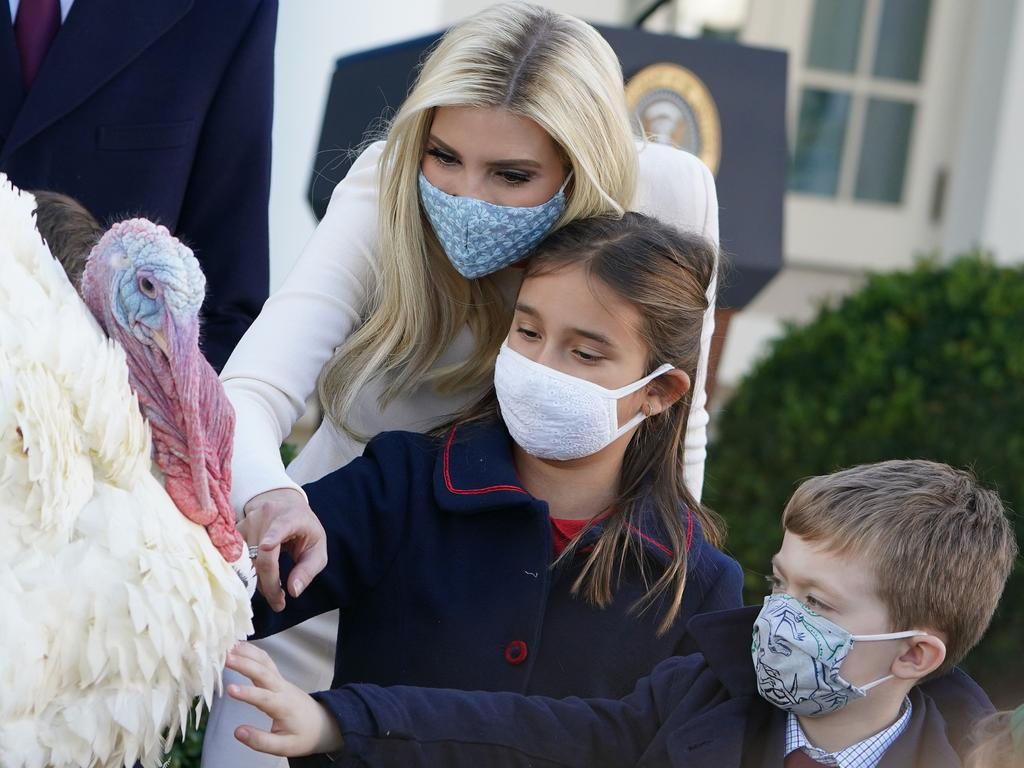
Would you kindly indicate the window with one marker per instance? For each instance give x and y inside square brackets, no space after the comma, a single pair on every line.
[860,90]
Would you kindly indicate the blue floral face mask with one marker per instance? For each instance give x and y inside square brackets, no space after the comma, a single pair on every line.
[480,237]
[797,654]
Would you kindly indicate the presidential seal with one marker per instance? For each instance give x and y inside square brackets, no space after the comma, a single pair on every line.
[671,105]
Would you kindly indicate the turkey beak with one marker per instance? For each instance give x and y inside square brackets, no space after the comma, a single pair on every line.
[160,340]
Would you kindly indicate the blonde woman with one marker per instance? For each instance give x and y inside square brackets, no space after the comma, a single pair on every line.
[516,126]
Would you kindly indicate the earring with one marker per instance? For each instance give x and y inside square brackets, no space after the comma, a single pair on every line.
[646,409]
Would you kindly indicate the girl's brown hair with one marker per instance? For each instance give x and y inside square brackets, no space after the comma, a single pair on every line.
[665,274]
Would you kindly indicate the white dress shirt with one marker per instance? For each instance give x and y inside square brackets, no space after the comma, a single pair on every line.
[65,6]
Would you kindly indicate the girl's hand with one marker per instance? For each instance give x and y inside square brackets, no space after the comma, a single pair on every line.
[281,519]
[301,725]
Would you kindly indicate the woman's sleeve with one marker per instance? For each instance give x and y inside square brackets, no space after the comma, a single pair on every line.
[676,188]
[275,366]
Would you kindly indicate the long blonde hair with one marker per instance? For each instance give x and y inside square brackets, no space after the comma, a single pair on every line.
[536,63]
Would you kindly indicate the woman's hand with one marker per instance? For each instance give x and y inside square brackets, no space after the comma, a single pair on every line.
[301,726]
[281,519]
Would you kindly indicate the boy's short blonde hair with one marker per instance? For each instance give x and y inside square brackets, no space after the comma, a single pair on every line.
[941,545]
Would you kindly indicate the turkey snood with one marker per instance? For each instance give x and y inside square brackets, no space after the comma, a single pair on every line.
[146,288]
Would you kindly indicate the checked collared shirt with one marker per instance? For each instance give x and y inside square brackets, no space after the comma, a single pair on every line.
[863,754]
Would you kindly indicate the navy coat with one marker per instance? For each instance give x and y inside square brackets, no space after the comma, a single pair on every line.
[699,711]
[441,565]
[162,109]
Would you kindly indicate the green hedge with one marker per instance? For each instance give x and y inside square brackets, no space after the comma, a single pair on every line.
[921,364]
[186,752]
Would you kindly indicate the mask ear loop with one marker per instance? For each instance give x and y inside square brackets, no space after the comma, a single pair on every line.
[568,177]
[886,636]
[876,683]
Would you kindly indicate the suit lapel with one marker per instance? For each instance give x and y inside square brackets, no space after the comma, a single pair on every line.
[771,752]
[98,39]
[924,741]
[12,88]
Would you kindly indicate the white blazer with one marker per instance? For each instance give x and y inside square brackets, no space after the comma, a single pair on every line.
[275,366]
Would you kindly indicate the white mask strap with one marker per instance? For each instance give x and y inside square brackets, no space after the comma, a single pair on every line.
[877,682]
[888,636]
[565,183]
[885,636]
[630,389]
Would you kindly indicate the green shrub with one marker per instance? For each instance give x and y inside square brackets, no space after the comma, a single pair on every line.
[921,364]
[187,750]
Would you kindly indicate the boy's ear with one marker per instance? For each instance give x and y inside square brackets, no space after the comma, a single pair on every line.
[666,390]
[925,654]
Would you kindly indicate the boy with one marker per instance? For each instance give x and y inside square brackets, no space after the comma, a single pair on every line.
[887,575]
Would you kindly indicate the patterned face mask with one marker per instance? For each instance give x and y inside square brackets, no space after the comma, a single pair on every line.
[480,237]
[797,655]
[552,415]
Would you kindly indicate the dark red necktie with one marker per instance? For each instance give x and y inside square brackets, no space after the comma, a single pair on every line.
[800,759]
[37,24]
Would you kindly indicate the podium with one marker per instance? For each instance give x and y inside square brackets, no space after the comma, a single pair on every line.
[721,100]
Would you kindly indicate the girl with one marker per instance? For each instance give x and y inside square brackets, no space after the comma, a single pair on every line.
[517,122]
[545,541]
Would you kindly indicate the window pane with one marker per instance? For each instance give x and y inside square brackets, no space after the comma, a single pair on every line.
[835,35]
[820,133]
[883,155]
[901,36]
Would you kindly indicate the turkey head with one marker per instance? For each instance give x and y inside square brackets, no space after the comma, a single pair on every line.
[145,288]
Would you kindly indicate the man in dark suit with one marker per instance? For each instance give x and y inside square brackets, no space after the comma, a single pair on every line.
[160,108]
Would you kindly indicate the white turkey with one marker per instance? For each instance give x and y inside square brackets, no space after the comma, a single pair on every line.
[119,598]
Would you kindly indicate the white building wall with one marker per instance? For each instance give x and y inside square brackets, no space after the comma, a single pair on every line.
[596,11]
[311,35]
[1003,225]
[979,110]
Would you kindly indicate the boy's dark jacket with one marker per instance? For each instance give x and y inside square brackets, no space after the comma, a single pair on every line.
[692,712]
[441,565]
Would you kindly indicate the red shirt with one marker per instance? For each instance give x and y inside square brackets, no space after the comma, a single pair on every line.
[563,531]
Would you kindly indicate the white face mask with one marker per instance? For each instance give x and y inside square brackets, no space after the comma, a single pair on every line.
[552,415]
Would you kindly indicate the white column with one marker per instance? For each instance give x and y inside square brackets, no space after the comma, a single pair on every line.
[987,92]
[1003,228]
[311,35]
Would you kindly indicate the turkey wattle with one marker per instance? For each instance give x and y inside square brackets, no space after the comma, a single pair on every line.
[119,599]
[145,288]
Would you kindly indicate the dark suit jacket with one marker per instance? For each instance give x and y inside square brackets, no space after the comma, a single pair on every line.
[698,711]
[159,108]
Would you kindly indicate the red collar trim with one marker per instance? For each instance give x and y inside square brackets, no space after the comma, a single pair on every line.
[658,544]
[469,491]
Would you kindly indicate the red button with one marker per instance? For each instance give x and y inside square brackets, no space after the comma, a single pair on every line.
[515,652]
